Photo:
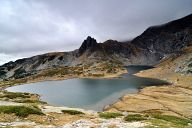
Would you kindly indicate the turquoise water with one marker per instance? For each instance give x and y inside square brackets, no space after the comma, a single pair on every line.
[91,94]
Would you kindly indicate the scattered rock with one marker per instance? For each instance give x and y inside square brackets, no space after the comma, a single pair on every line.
[103,123]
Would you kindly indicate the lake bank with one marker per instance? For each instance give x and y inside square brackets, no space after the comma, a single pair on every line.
[57,77]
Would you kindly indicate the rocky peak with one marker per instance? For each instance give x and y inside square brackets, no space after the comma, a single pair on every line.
[89,43]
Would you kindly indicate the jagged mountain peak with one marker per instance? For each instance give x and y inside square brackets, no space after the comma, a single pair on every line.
[87,44]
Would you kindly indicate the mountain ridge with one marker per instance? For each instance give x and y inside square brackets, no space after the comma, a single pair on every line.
[154,44]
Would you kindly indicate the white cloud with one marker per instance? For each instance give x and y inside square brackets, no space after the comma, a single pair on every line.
[4,58]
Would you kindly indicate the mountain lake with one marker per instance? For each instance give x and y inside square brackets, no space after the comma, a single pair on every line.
[90,94]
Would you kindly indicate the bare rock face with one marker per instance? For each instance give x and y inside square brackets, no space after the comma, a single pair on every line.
[167,38]
[89,43]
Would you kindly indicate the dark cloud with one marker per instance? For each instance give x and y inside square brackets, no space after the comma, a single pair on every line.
[29,27]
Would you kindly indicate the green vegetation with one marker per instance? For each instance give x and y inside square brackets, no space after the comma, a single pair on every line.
[135,117]
[30,101]
[72,112]
[52,72]
[20,97]
[109,115]
[20,111]
[96,75]
[173,119]
[55,71]
[160,121]
[112,66]
[8,83]
[13,95]
[156,123]
[65,72]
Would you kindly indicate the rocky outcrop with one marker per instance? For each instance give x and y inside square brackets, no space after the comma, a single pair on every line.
[167,38]
[89,43]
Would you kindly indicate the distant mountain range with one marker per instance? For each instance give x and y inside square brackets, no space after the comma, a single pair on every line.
[153,45]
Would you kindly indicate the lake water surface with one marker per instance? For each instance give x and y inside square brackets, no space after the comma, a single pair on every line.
[92,94]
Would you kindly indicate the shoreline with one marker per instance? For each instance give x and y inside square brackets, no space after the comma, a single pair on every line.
[109,76]
[138,92]
[128,97]
[29,81]
[174,100]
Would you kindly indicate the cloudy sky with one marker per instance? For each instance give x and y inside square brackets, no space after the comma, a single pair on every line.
[31,27]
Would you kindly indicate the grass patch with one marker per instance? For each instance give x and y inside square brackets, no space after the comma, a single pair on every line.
[20,111]
[134,117]
[173,119]
[30,101]
[157,123]
[12,95]
[109,115]
[72,112]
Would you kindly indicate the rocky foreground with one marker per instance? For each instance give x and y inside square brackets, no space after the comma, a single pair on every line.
[54,118]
